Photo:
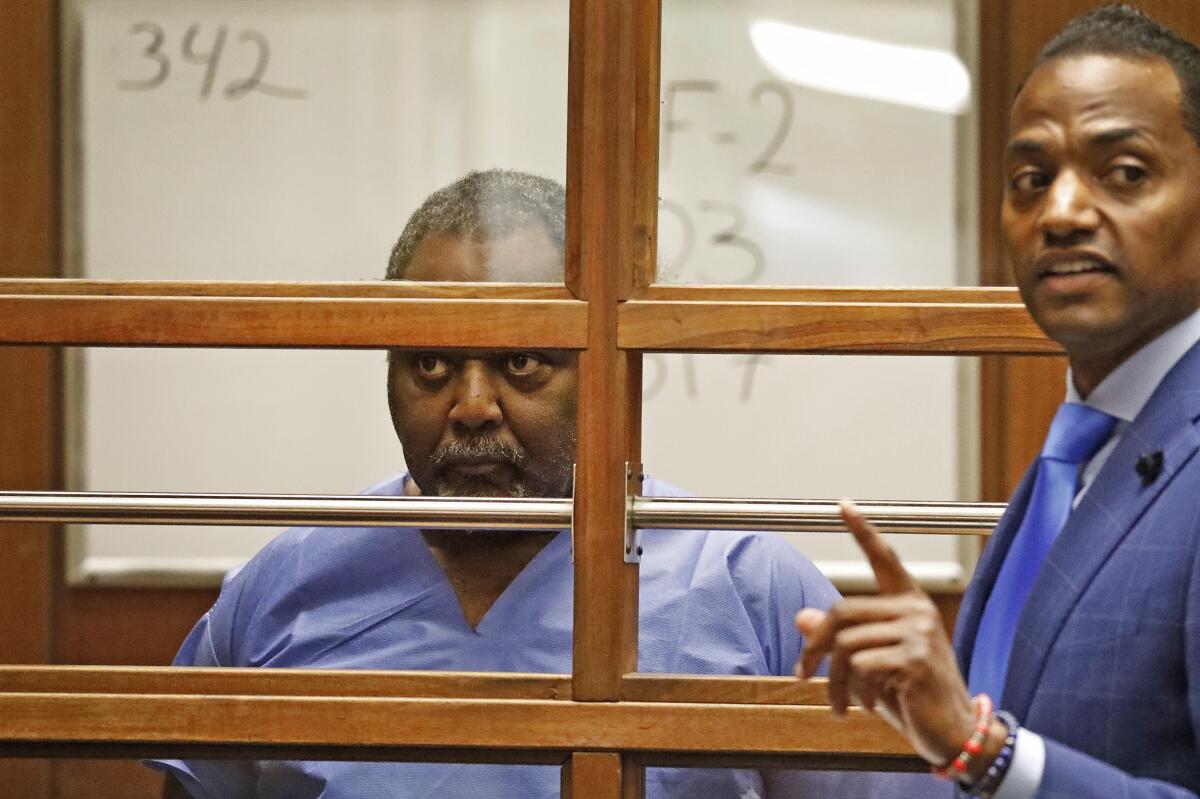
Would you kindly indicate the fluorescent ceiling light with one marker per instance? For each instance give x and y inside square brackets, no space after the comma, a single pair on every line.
[915,76]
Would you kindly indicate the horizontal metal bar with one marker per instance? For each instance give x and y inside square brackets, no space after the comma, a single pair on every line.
[663,513]
[276,510]
[813,516]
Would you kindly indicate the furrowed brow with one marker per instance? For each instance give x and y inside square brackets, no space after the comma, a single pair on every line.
[1115,136]
[1026,147]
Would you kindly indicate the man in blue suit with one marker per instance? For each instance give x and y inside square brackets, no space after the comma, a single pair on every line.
[1079,636]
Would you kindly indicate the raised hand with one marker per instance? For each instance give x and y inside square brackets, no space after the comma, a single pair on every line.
[890,653]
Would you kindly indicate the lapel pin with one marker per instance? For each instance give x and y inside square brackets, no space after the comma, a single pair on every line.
[1149,466]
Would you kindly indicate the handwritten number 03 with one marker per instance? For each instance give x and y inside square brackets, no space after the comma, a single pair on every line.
[211,60]
[731,236]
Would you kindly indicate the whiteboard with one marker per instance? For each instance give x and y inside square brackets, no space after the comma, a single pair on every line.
[290,139]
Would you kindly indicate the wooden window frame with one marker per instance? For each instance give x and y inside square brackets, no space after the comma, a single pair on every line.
[604,722]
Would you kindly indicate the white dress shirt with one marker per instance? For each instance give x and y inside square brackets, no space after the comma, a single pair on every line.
[1123,394]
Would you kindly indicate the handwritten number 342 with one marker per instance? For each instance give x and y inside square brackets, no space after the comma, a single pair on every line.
[210,59]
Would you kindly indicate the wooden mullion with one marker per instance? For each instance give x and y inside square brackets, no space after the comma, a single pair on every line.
[861,328]
[289,322]
[592,775]
[696,689]
[244,725]
[647,61]
[954,295]
[601,195]
[165,680]
[14,751]
[377,289]
[30,397]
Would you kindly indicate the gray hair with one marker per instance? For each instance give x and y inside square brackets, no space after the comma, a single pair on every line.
[484,206]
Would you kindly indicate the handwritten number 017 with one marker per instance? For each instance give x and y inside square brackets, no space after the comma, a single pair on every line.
[210,60]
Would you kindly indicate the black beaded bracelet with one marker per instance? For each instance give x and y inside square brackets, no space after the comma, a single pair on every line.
[989,783]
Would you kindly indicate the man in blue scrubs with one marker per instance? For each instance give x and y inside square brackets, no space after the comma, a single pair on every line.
[495,423]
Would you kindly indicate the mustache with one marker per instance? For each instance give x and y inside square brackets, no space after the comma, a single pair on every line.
[477,450]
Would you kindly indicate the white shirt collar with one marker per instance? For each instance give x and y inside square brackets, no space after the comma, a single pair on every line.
[1128,388]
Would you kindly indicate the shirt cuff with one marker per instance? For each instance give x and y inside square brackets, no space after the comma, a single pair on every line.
[1025,771]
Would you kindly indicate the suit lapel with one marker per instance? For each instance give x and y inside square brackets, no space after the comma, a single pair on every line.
[1107,513]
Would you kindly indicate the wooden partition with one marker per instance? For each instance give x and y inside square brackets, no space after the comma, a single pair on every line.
[603,722]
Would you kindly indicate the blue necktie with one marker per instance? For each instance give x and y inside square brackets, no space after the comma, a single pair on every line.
[1075,435]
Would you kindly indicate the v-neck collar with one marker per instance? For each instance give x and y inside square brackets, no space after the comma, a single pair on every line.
[531,580]
[541,570]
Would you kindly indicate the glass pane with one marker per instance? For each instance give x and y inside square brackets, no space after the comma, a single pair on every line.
[290,139]
[130,779]
[291,779]
[810,142]
[815,427]
[218,421]
[762,783]
[326,422]
[819,427]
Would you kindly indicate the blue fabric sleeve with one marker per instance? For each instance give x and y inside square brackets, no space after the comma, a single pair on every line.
[208,779]
[1070,773]
[783,784]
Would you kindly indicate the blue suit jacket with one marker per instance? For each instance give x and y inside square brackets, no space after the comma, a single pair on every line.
[1106,661]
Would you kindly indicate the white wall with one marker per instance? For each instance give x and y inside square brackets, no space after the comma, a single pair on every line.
[374,105]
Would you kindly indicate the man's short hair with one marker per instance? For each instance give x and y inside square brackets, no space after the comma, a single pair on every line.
[484,206]
[1122,30]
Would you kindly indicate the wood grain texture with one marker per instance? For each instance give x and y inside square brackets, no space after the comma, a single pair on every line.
[379,289]
[592,775]
[281,682]
[695,689]
[106,779]
[647,65]
[243,724]
[294,322]
[864,328]
[28,377]
[126,626]
[602,190]
[29,389]
[994,97]
[1033,390]
[959,295]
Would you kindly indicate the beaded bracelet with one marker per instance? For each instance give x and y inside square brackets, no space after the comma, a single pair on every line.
[973,745]
[989,783]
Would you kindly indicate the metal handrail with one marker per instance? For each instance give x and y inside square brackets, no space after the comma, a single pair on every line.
[813,516]
[663,513]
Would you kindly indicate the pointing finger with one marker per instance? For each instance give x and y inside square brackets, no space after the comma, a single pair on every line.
[890,573]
